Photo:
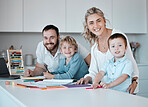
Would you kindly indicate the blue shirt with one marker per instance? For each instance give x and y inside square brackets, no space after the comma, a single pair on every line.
[75,69]
[113,70]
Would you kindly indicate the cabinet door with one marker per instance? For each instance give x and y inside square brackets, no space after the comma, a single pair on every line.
[39,13]
[11,16]
[143,80]
[76,9]
[130,16]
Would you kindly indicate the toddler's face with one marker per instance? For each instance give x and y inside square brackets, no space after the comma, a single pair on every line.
[68,50]
[117,47]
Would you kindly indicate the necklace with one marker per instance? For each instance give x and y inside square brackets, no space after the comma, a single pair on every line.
[103,41]
[102,45]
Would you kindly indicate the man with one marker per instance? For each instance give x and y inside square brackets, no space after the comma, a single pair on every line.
[48,53]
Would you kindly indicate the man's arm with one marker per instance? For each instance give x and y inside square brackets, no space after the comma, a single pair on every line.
[39,69]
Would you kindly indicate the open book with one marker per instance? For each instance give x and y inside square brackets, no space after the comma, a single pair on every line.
[47,81]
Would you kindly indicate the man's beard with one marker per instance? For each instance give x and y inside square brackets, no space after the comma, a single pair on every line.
[53,47]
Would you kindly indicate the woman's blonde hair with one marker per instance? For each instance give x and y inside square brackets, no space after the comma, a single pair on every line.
[69,40]
[88,35]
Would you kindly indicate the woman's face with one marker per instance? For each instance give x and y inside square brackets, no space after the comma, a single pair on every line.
[96,24]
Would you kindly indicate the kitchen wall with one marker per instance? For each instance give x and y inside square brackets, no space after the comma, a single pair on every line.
[29,42]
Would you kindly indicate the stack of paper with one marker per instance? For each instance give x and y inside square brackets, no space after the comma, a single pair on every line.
[58,81]
[54,82]
[33,78]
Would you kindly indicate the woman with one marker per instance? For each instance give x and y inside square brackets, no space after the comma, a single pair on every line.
[97,34]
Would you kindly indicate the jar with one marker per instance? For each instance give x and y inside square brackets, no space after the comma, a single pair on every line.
[29,59]
[3,54]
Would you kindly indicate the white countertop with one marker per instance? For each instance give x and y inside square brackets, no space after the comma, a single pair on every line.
[72,97]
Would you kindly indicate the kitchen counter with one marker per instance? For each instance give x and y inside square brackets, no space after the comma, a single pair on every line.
[71,97]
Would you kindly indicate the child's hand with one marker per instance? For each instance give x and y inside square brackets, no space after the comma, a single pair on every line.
[104,85]
[95,85]
[48,75]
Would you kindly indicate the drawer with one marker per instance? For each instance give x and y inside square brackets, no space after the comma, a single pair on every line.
[143,94]
[143,72]
[143,86]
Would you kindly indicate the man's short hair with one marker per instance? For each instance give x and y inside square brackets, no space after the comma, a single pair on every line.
[48,27]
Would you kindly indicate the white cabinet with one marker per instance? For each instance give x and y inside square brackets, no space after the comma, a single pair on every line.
[11,16]
[130,16]
[143,80]
[76,9]
[39,13]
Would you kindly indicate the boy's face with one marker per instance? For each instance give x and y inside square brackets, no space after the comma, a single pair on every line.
[117,47]
[68,50]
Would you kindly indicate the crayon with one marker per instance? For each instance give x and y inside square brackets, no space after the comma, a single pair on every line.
[13,83]
[92,87]
[20,85]
[38,88]
[7,82]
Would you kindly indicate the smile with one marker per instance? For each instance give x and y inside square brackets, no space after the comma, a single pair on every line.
[97,29]
[68,53]
[117,52]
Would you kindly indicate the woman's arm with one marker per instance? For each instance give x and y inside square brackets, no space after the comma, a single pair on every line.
[135,74]
[85,80]
[93,69]
[88,59]
[133,86]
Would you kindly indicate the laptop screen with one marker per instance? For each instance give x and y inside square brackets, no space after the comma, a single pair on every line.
[3,68]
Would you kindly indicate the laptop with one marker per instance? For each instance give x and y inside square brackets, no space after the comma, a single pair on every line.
[4,72]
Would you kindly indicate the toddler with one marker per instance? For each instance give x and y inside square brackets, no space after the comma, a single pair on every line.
[118,70]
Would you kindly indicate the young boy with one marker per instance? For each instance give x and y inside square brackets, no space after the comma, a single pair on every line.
[118,70]
[73,65]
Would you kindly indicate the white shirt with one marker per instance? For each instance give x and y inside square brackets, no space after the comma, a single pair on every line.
[98,59]
[45,57]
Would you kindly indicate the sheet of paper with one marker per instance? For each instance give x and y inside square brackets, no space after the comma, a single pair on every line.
[61,81]
[54,82]
[33,78]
